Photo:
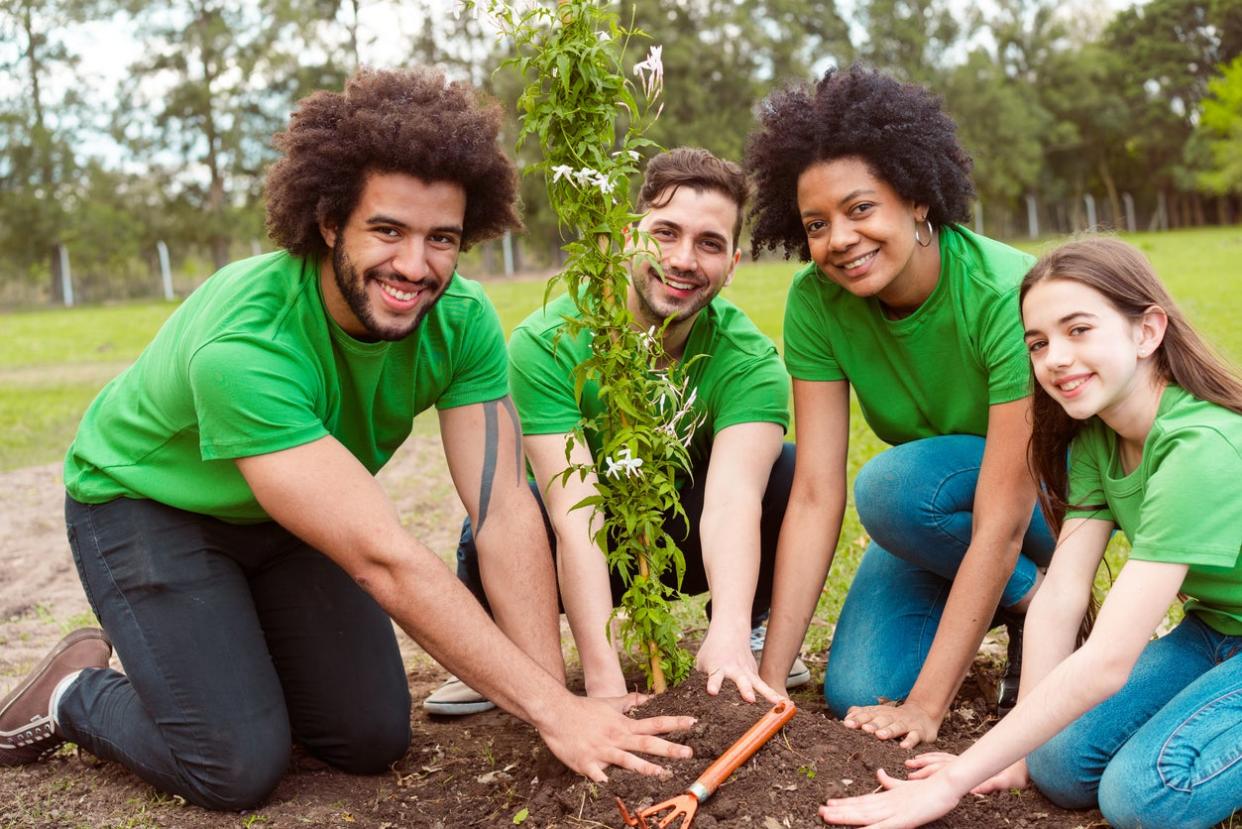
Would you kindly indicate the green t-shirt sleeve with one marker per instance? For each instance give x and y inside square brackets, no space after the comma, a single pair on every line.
[757,393]
[480,370]
[252,396]
[1190,508]
[1004,351]
[808,350]
[1088,454]
[543,388]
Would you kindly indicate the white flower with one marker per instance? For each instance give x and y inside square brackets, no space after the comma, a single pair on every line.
[604,183]
[651,71]
[624,464]
[560,171]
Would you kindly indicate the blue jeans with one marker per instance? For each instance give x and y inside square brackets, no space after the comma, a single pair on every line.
[236,640]
[1165,750]
[915,501]
[686,533]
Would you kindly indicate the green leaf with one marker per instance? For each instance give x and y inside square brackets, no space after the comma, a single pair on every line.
[519,817]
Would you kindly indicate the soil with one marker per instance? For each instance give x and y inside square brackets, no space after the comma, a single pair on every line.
[487,770]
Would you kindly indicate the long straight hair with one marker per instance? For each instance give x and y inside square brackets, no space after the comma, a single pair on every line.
[1126,279]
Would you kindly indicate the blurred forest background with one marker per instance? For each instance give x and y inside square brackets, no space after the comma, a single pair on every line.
[1076,115]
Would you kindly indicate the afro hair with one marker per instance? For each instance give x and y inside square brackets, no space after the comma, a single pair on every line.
[898,129]
[413,122]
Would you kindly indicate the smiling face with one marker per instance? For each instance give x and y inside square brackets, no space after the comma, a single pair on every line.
[1088,356]
[395,255]
[861,233]
[694,233]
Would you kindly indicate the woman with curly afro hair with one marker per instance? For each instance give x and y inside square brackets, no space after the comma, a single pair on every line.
[863,178]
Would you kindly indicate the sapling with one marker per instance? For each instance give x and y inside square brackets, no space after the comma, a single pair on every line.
[588,117]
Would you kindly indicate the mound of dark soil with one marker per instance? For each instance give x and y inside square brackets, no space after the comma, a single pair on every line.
[491,770]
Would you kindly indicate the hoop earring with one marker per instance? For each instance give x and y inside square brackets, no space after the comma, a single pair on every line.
[931,232]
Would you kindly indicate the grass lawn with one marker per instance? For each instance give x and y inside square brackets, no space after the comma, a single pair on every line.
[53,362]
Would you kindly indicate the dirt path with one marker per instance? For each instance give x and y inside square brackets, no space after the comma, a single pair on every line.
[489,770]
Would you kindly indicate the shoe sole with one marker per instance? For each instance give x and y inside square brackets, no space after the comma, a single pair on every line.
[78,636]
[458,709]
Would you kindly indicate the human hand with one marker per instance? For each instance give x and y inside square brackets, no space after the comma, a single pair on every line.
[588,735]
[903,805]
[925,765]
[890,720]
[723,656]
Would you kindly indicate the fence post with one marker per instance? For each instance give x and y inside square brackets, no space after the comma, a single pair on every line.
[1162,211]
[506,245]
[1032,216]
[165,269]
[1089,201]
[1128,201]
[66,279]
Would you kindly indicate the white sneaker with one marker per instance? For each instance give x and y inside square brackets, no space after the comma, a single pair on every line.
[799,673]
[455,699]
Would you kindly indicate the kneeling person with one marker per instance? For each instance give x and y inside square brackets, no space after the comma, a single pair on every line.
[735,496]
[221,507]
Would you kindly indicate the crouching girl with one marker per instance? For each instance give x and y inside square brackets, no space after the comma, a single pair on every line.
[1150,731]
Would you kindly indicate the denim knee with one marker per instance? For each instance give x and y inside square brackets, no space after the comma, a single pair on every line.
[372,746]
[844,689]
[235,779]
[877,490]
[1134,795]
[1059,770]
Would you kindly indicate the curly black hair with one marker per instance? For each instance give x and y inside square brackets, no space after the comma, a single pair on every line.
[898,129]
[412,121]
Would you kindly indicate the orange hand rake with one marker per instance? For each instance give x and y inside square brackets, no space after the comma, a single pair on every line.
[686,804]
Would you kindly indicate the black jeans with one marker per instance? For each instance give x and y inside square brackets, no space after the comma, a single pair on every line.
[775,499]
[236,640]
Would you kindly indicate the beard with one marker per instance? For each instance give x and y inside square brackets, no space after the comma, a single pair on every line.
[353,288]
[679,312]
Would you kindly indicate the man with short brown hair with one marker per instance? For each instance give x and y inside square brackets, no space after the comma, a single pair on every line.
[736,493]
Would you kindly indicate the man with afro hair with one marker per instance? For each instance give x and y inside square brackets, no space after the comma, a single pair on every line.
[222,509]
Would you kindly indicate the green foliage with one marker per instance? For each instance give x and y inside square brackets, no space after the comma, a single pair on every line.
[577,95]
[1220,129]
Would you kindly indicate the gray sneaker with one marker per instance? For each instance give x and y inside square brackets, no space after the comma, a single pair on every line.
[799,673]
[27,732]
[455,699]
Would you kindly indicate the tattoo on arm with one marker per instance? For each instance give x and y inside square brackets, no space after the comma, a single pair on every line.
[491,446]
[491,439]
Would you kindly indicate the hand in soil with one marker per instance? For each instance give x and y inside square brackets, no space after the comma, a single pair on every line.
[905,805]
[907,720]
[722,658]
[588,735]
[1014,777]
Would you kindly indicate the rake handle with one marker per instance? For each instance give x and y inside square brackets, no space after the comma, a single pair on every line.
[742,750]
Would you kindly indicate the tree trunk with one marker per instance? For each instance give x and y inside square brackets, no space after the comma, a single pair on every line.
[1114,200]
[215,194]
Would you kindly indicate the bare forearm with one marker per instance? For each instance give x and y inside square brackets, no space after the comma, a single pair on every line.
[428,602]
[1068,691]
[520,581]
[1051,628]
[969,609]
[586,592]
[730,542]
[803,555]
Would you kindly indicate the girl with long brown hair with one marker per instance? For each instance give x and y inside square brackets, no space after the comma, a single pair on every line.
[1148,730]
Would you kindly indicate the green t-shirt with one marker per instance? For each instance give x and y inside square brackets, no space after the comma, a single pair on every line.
[1181,504]
[741,379]
[934,372]
[253,363]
